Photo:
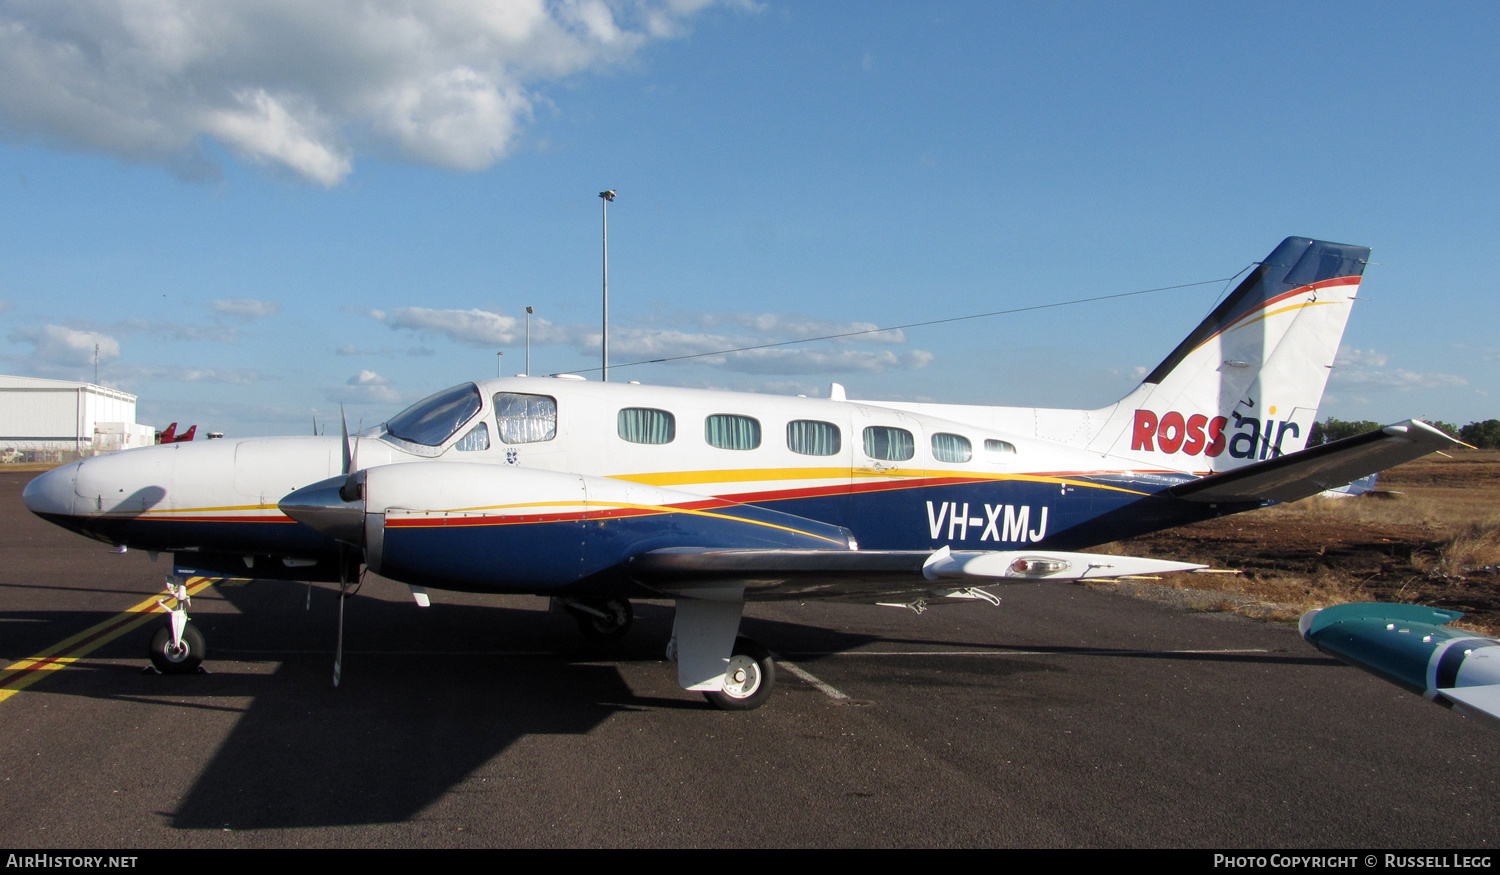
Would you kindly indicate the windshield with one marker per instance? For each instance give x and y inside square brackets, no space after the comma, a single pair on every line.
[436,418]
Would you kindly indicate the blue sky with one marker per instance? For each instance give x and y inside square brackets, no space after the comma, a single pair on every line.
[262,210]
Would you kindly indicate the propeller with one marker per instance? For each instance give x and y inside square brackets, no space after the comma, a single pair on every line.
[349,555]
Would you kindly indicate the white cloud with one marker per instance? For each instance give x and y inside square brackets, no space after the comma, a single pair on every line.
[1396,379]
[178,331]
[1359,358]
[365,387]
[792,326]
[56,345]
[299,85]
[485,329]
[233,376]
[246,309]
[1365,369]
[474,327]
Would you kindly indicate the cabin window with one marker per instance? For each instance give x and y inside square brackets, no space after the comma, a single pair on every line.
[951,448]
[436,418]
[813,438]
[730,432]
[889,444]
[999,448]
[644,425]
[478,438]
[525,419]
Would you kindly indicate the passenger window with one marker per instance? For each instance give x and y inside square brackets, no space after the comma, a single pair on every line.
[478,438]
[999,448]
[525,419]
[951,448]
[729,432]
[643,425]
[813,438]
[889,444]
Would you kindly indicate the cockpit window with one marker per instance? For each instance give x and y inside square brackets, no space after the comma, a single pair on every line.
[436,418]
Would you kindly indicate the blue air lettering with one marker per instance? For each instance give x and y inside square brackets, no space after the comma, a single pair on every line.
[1001,522]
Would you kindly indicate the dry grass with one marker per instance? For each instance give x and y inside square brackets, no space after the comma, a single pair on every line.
[1434,540]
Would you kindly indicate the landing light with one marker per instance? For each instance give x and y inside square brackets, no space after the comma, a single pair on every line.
[1038,566]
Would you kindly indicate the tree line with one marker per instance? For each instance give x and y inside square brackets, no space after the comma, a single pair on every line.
[1484,435]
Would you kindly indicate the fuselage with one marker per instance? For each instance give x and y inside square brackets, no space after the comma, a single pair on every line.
[894,479]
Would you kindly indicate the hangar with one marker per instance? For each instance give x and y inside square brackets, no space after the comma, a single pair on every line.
[56,420]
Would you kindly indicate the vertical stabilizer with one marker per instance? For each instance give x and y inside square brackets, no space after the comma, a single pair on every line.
[1246,383]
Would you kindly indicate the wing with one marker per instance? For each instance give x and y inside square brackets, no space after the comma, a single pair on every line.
[863,574]
[1308,472]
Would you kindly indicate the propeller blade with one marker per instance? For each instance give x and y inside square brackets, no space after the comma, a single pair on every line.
[344,426]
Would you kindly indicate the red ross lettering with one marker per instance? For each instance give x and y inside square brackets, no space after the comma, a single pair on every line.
[1195,439]
[1169,435]
[1216,435]
[1145,427]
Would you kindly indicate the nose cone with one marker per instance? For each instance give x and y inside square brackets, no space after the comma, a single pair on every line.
[321,508]
[51,495]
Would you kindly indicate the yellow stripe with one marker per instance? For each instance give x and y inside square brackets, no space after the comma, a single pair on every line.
[1283,310]
[20,675]
[738,475]
[733,475]
[654,508]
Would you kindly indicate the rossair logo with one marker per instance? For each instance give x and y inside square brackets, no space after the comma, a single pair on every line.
[1171,432]
[1001,522]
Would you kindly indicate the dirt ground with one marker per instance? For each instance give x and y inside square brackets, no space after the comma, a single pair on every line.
[1429,535]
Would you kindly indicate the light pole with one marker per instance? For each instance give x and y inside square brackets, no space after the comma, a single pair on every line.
[497,363]
[529,311]
[604,200]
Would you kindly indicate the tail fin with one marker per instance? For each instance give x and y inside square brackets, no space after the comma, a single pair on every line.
[168,436]
[186,436]
[1246,383]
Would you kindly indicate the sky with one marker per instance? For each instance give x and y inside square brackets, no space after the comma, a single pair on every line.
[259,211]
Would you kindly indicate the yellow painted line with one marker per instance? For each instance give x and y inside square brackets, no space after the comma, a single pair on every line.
[20,675]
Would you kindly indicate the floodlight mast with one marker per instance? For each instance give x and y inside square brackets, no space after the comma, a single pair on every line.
[529,311]
[604,200]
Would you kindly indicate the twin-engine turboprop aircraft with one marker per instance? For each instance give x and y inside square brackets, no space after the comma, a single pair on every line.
[594,493]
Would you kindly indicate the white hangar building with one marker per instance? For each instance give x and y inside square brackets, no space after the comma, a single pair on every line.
[46,420]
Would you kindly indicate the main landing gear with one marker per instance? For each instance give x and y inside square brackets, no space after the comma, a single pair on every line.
[178,646]
[748,680]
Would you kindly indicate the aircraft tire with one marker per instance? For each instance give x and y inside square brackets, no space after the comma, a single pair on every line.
[184,661]
[621,618]
[749,679]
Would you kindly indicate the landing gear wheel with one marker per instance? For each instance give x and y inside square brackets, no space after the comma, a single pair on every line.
[748,679]
[177,660]
[617,619]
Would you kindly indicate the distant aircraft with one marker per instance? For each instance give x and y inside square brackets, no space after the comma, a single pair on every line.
[170,436]
[595,493]
[1411,646]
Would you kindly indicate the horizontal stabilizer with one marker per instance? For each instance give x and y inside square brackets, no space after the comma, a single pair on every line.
[1308,472]
[772,574]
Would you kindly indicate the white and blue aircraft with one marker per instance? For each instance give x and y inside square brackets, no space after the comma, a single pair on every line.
[595,493]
